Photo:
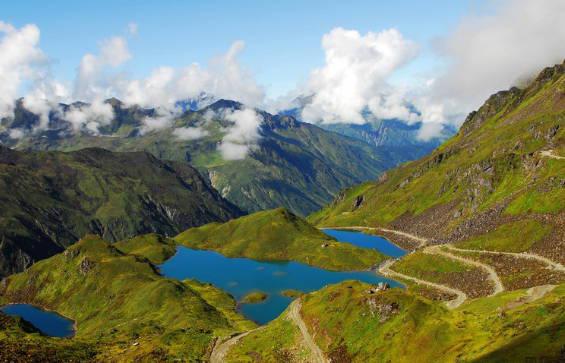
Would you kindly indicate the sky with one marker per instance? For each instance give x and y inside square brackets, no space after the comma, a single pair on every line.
[282,37]
[416,61]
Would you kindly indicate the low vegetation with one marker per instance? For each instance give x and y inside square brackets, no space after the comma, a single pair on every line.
[493,184]
[51,199]
[517,236]
[291,293]
[254,297]
[446,271]
[156,248]
[279,235]
[122,306]
[404,327]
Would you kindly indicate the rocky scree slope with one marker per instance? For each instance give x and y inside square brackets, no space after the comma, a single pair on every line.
[493,179]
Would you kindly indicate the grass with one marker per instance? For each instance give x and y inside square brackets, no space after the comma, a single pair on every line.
[116,195]
[518,236]
[156,248]
[280,342]
[278,235]
[429,267]
[496,162]
[396,325]
[118,299]
[254,297]
[292,293]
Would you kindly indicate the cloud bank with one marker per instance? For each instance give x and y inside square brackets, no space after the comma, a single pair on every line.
[484,53]
[21,61]
[354,75]
[242,136]
[488,53]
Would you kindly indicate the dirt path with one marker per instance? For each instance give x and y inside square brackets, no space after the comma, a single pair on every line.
[551,155]
[422,241]
[493,276]
[221,348]
[294,314]
[533,293]
[554,265]
[385,270]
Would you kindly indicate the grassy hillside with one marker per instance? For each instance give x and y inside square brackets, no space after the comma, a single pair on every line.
[156,248]
[279,235]
[51,199]
[21,343]
[122,306]
[295,165]
[499,173]
[398,326]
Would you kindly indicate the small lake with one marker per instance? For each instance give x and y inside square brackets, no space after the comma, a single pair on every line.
[47,322]
[240,276]
[366,241]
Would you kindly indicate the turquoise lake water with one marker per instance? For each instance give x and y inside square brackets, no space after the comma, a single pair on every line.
[239,276]
[48,322]
[366,241]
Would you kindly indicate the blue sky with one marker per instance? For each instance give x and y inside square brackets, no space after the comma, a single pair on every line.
[412,60]
[282,37]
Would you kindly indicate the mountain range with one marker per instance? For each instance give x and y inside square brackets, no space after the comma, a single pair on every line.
[294,164]
[51,199]
[481,220]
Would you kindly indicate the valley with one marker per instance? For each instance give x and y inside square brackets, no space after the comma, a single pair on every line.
[197,216]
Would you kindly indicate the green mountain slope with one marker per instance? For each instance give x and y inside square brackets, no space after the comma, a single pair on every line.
[124,309]
[295,165]
[279,235]
[395,140]
[501,176]
[51,199]
[349,324]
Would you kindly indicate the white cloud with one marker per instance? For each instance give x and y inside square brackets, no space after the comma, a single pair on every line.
[429,130]
[488,53]
[21,60]
[223,78]
[242,136]
[189,133]
[92,83]
[44,98]
[162,119]
[355,74]
[16,133]
[90,117]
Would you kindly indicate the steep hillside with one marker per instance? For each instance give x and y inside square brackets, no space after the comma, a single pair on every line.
[294,165]
[348,322]
[51,199]
[279,235]
[500,179]
[394,139]
[123,308]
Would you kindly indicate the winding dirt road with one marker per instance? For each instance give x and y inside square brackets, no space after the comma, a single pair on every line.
[221,348]
[384,269]
[552,264]
[493,276]
[294,314]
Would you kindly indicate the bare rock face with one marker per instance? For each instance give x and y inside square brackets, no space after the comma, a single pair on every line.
[387,311]
[383,310]
[86,266]
[358,201]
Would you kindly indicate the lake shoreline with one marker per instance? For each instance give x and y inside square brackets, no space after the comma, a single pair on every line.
[46,309]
